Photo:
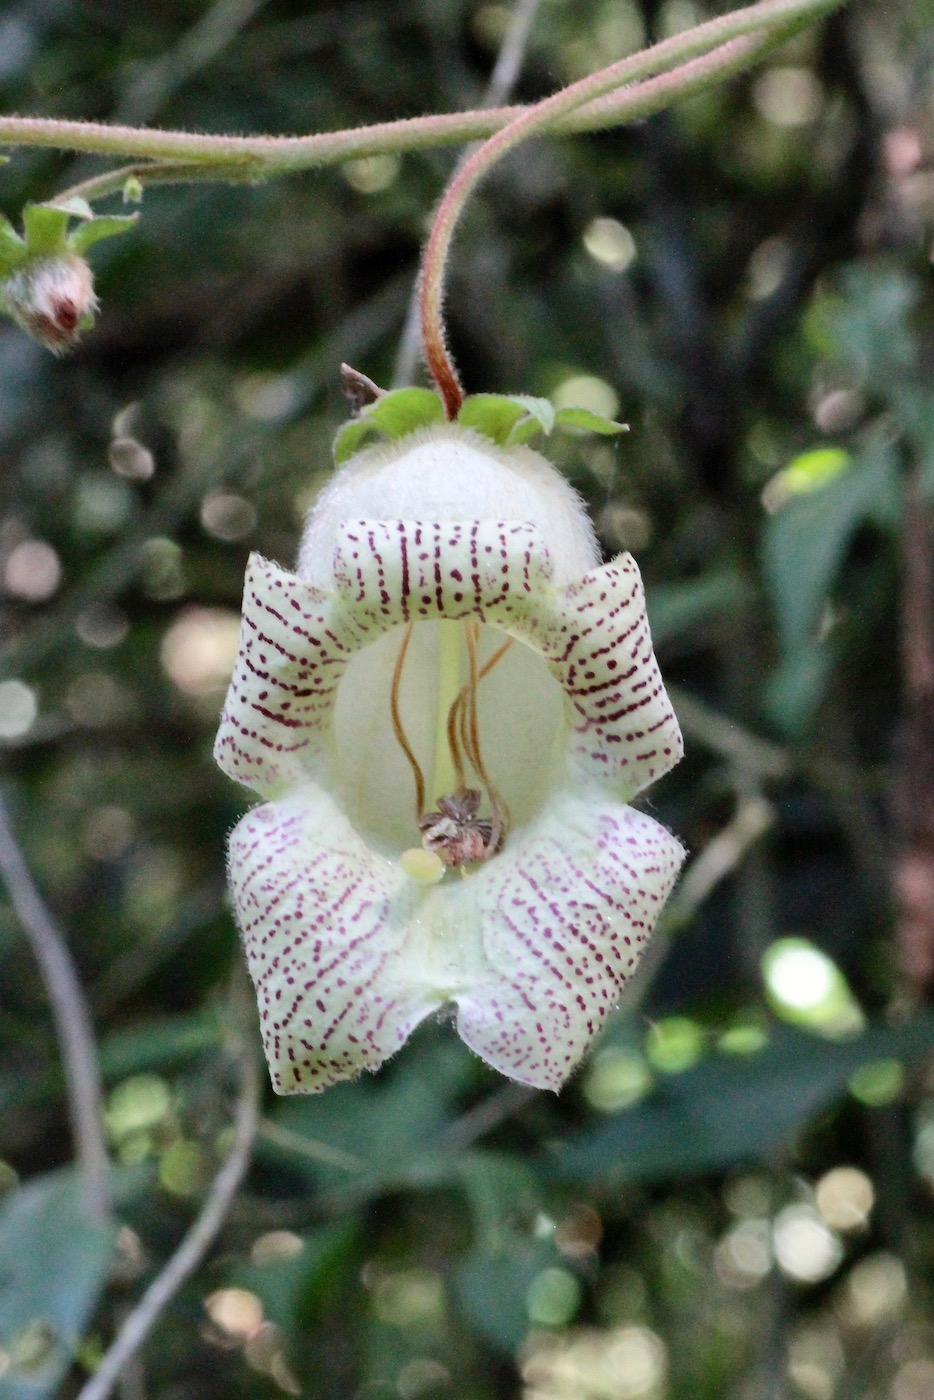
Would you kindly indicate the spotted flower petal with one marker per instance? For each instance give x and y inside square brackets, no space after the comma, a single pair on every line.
[328,930]
[296,643]
[348,954]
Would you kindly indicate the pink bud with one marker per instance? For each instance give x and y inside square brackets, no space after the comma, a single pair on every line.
[50,297]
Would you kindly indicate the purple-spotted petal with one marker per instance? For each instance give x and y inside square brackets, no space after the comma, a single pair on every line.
[326,927]
[561,920]
[625,731]
[293,652]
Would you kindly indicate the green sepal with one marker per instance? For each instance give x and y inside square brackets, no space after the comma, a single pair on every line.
[590,422]
[507,419]
[45,227]
[107,226]
[12,248]
[392,415]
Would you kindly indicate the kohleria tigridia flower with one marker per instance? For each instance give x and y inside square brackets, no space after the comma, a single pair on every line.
[447,709]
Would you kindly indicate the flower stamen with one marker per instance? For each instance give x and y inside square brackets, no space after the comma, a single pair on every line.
[397,728]
[454,829]
[471,736]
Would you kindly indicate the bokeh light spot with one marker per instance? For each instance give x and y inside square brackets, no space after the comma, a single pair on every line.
[587,391]
[227,516]
[878,1082]
[130,459]
[32,571]
[804,1247]
[609,242]
[18,709]
[845,1197]
[788,97]
[617,1078]
[372,174]
[553,1298]
[199,650]
[807,988]
[875,1291]
[235,1311]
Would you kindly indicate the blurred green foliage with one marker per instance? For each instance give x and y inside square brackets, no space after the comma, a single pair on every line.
[749,277]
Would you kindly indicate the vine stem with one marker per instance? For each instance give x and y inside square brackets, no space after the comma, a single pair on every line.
[503,79]
[200,157]
[73,1024]
[740,38]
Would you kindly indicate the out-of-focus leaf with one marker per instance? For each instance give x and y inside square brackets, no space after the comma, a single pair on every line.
[292,1288]
[805,543]
[492,1285]
[377,1133]
[53,1265]
[678,608]
[159,1044]
[12,247]
[809,471]
[729,1111]
[796,685]
[868,326]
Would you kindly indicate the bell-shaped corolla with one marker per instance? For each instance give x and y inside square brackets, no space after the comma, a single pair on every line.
[448,708]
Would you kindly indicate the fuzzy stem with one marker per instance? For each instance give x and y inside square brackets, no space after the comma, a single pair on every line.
[168,172]
[741,38]
[255,157]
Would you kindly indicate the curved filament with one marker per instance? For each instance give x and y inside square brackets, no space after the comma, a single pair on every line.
[397,728]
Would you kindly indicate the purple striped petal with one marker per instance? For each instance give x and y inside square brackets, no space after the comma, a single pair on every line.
[562,919]
[326,929]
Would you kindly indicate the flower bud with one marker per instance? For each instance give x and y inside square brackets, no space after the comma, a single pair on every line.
[51,298]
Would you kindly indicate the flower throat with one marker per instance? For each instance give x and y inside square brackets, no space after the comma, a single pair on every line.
[454,829]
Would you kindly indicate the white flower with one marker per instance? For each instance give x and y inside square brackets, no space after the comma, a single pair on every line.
[378,682]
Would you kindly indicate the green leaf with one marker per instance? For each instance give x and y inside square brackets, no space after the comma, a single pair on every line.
[795,687]
[491,1287]
[805,542]
[158,1044]
[590,422]
[53,1266]
[45,226]
[728,1110]
[492,1282]
[107,226]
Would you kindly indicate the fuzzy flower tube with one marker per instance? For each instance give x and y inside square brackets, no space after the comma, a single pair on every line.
[447,708]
